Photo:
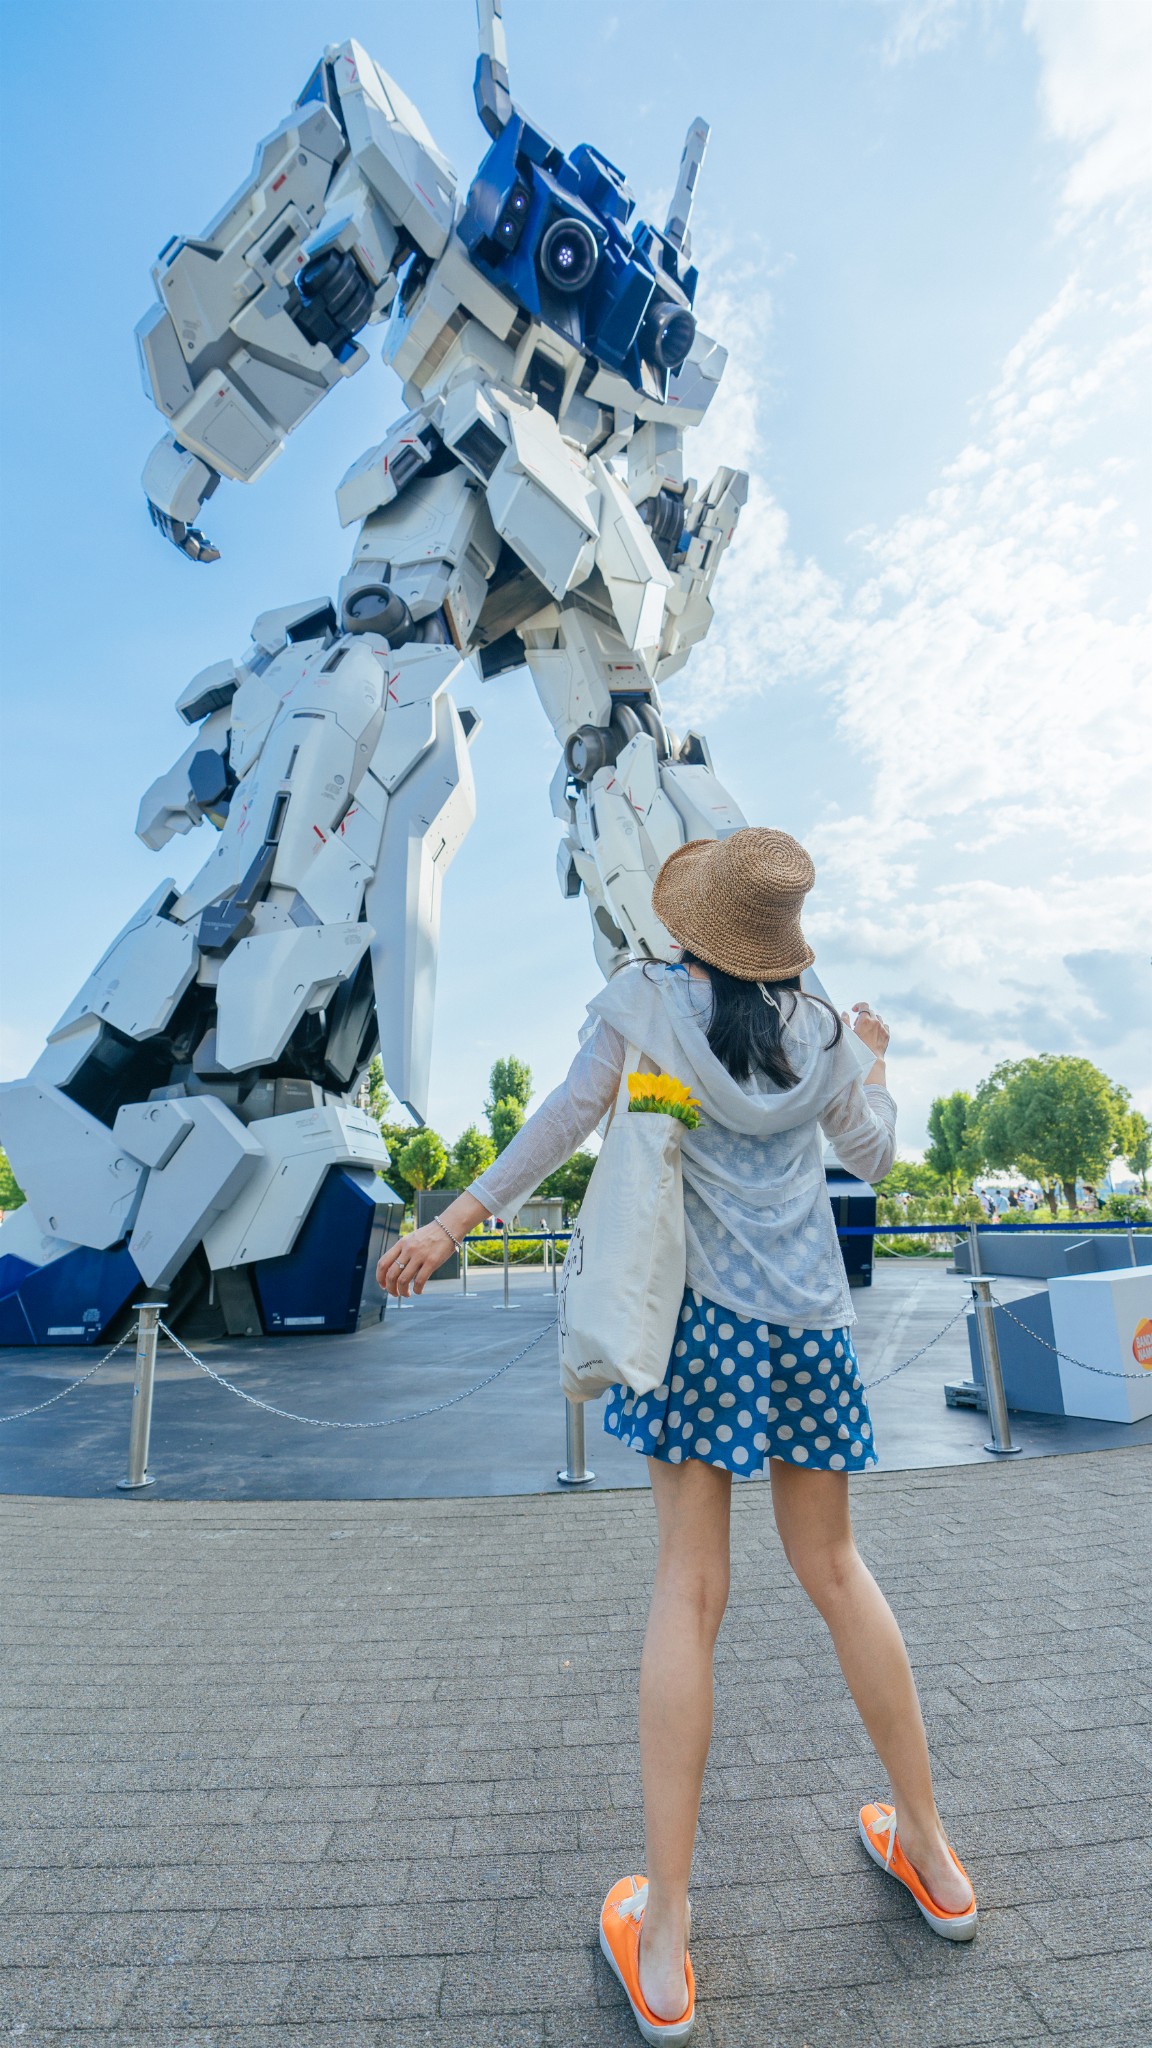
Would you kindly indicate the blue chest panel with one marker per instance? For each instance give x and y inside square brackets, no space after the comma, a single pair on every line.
[552,231]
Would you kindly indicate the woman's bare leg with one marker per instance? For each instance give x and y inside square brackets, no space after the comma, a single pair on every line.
[688,1601]
[816,1531]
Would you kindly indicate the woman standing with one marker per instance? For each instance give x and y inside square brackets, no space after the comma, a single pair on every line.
[762,1374]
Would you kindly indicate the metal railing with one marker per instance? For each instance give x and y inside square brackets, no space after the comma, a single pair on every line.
[547,1239]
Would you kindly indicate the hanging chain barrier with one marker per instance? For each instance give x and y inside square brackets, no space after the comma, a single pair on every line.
[904,1362]
[382,1422]
[73,1384]
[966,1229]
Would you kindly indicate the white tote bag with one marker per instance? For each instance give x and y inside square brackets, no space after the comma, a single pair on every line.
[623,1279]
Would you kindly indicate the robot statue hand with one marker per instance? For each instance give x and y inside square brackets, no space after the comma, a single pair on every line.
[188,539]
[335,299]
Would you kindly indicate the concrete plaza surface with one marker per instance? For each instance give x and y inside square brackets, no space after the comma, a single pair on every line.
[509,1438]
[357,1774]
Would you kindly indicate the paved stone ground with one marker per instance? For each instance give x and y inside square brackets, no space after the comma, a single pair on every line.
[325,1775]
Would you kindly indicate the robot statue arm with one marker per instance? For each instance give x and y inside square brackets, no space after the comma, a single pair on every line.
[257,317]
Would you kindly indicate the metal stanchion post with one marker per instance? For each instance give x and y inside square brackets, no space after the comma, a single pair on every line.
[505,1230]
[1132,1259]
[1001,1445]
[464,1267]
[575,1469]
[554,1286]
[146,1335]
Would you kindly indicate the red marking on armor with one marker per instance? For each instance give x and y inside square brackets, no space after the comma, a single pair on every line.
[612,784]
[319,835]
[431,203]
[392,682]
[281,180]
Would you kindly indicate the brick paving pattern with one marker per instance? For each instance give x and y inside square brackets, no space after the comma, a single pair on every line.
[348,1774]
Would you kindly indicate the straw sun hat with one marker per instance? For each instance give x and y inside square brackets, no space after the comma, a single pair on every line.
[735,902]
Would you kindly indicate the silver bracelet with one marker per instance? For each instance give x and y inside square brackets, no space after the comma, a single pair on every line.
[448,1234]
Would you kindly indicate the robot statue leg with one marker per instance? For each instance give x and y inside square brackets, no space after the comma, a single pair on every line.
[627,791]
[191,1125]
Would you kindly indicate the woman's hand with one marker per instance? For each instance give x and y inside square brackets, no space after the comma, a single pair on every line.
[870,1028]
[412,1260]
[873,1032]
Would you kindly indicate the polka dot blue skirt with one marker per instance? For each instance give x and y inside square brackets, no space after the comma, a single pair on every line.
[738,1392]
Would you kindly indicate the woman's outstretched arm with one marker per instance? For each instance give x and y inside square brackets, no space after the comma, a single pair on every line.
[550,1136]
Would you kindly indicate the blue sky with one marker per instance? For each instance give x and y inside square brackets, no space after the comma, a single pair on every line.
[923,233]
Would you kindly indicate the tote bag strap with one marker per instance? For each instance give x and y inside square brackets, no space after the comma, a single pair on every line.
[633,1063]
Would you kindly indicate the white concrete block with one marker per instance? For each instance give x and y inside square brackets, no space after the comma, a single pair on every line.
[1106,1320]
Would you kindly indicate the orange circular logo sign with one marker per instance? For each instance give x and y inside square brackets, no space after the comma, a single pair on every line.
[1142,1343]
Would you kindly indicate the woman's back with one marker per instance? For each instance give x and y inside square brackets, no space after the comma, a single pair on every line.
[759,1223]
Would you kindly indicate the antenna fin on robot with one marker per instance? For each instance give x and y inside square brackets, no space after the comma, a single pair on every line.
[493,99]
[680,211]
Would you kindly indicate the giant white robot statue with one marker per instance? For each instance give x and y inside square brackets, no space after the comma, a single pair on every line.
[192,1124]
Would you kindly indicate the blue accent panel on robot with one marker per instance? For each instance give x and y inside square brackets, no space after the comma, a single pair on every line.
[71,1301]
[552,232]
[318,1284]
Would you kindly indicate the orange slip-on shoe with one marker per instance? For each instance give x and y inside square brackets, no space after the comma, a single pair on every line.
[620,1919]
[878,1834]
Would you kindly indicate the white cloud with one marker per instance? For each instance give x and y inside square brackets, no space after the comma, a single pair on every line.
[1097,62]
[989,668]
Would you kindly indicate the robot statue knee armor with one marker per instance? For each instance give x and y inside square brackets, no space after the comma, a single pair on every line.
[192,1125]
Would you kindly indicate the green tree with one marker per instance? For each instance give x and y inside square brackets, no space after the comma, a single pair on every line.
[908,1176]
[1050,1115]
[379,1100]
[471,1155]
[954,1152]
[1135,1144]
[423,1160]
[11,1194]
[510,1080]
[509,1087]
[570,1181]
[505,1118]
[396,1137]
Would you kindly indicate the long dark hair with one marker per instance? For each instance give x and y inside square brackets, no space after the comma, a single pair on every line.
[745,1031]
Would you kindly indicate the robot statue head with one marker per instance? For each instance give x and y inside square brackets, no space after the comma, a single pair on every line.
[553,232]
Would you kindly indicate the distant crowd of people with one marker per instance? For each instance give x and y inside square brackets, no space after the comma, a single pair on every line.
[997,1202]
[1024,1199]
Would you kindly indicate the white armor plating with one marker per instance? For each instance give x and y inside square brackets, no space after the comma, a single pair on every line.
[530,506]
